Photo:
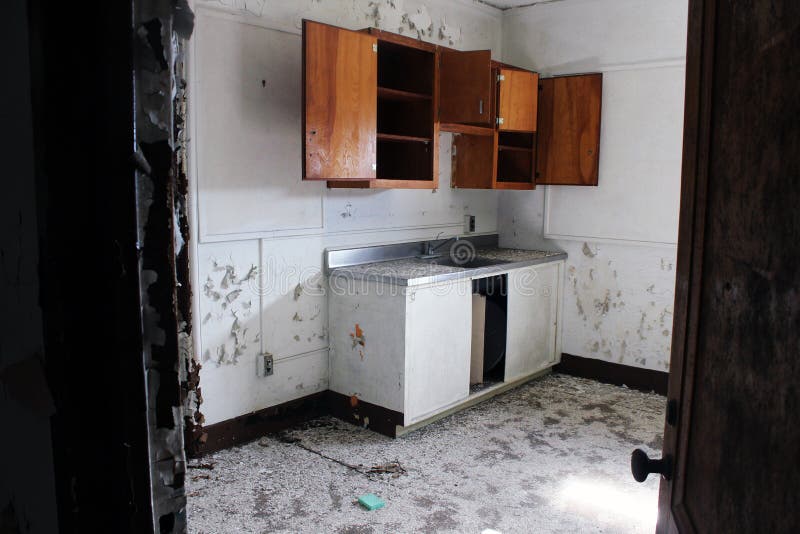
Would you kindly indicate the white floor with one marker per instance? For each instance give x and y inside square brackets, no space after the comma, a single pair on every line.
[550,456]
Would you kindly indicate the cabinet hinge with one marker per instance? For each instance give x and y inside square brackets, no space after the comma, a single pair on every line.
[374,47]
[501,77]
[499,120]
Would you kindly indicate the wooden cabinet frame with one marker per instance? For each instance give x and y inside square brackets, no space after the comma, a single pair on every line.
[391,138]
[375,103]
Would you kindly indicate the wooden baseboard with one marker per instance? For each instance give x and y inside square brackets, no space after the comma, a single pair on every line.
[257,424]
[352,410]
[382,420]
[613,373]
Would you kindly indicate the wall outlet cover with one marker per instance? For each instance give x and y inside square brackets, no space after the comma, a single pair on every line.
[469,223]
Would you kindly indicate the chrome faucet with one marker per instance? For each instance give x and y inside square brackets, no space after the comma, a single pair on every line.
[429,250]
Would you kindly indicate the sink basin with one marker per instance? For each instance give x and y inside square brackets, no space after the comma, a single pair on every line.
[471,264]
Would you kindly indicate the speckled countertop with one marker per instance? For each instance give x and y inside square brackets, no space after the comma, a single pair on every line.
[416,271]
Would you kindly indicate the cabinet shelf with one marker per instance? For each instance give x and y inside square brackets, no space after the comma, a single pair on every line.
[397,95]
[466,129]
[515,148]
[392,138]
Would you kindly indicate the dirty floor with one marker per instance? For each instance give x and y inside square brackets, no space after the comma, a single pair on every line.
[550,456]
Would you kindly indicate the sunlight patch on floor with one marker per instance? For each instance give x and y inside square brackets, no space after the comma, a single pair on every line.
[609,503]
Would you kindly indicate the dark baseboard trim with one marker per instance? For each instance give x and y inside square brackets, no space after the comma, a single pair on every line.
[613,373]
[254,425]
[352,410]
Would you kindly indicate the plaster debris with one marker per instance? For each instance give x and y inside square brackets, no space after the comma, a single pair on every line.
[506,464]
[588,251]
[297,317]
[233,295]
[298,290]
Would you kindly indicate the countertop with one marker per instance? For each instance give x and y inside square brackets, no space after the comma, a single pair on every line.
[416,271]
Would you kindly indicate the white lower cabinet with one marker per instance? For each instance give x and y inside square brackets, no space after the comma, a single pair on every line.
[533,338]
[406,349]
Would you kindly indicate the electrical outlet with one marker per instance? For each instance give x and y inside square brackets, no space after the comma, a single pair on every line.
[469,223]
[266,365]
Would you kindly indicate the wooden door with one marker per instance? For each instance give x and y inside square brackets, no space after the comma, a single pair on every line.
[517,100]
[466,94]
[340,93]
[568,139]
[733,434]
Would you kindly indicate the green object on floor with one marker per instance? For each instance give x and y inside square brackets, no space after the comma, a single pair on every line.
[371,501]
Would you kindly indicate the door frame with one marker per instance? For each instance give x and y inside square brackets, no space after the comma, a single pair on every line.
[672,513]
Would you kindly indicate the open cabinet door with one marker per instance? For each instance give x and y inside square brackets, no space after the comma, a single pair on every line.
[568,139]
[732,436]
[465,93]
[340,103]
[517,100]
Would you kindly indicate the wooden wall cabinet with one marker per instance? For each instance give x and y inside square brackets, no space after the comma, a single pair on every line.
[500,156]
[552,138]
[568,144]
[375,102]
[370,99]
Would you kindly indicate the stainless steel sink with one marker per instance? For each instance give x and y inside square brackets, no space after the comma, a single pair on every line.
[470,264]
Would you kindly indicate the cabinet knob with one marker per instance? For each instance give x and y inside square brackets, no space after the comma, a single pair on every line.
[642,466]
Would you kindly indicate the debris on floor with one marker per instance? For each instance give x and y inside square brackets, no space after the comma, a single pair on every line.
[392,468]
[371,501]
[196,464]
[287,437]
[551,456]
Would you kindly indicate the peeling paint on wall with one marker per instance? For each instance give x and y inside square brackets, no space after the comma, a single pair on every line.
[232,309]
[620,326]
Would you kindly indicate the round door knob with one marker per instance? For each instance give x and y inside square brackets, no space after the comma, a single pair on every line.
[642,465]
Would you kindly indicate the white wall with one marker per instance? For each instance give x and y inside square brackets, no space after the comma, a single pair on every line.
[259,230]
[620,236]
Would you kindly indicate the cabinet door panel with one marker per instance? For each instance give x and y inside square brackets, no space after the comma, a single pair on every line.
[340,93]
[517,100]
[568,140]
[474,160]
[438,348]
[466,87]
[532,330]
